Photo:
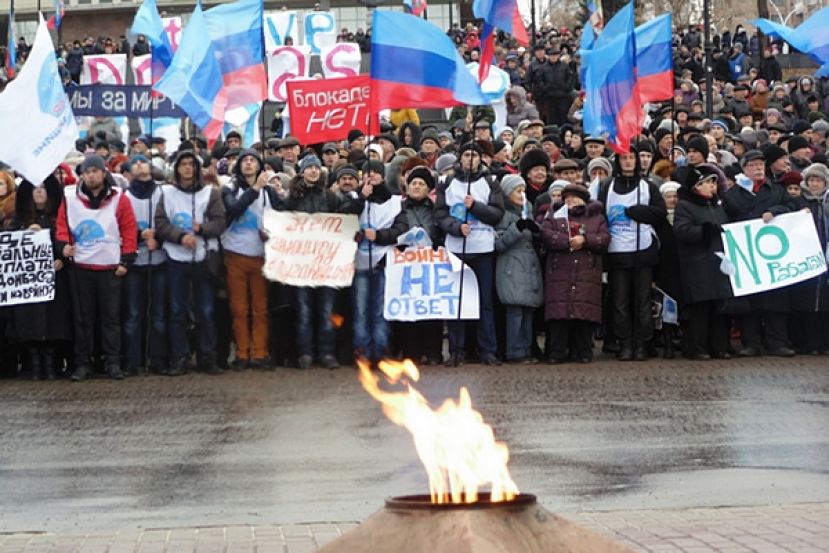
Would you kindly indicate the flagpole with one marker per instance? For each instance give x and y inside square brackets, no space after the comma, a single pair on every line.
[267,80]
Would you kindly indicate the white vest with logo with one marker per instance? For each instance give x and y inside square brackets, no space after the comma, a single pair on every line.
[382,216]
[242,236]
[183,209]
[95,232]
[622,228]
[144,211]
[481,237]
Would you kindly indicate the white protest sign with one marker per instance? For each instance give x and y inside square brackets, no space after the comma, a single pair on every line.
[279,26]
[27,267]
[341,60]
[320,30]
[310,249]
[104,69]
[173,28]
[424,284]
[772,255]
[286,63]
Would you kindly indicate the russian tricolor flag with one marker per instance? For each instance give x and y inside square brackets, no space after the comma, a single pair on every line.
[415,64]
[612,104]
[501,14]
[57,17]
[11,47]
[194,79]
[147,22]
[654,61]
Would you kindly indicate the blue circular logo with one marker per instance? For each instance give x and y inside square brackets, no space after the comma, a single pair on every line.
[247,222]
[87,232]
[51,97]
[142,225]
[183,220]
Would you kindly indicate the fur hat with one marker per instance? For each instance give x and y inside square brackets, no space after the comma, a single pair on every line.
[533,158]
[816,170]
[576,190]
[422,172]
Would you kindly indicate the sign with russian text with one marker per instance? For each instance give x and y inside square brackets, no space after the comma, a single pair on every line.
[121,101]
[325,110]
[424,284]
[765,256]
[310,249]
[28,267]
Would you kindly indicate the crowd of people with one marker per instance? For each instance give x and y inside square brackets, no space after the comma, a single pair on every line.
[570,243]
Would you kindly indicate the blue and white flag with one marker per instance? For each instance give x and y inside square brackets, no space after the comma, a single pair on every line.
[46,131]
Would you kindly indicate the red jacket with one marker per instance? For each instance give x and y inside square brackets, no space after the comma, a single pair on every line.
[127,227]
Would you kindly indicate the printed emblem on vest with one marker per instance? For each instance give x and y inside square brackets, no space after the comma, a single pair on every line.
[183,220]
[87,233]
[458,211]
[246,222]
[142,225]
[617,219]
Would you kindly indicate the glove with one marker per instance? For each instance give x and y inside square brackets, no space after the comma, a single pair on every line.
[359,236]
[527,224]
[637,212]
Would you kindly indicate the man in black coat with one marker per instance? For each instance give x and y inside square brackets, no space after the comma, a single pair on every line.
[559,83]
[767,321]
[770,69]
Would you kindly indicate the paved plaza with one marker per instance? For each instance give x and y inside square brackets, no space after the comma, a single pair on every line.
[663,456]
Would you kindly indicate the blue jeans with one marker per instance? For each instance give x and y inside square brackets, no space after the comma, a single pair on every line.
[137,287]
[319,302]
[483,265]
[519,332]
[371,330]
[181,279]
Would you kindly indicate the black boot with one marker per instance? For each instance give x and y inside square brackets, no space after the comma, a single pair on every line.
[48,362]
[207,364]
[626,352]
[640,353]
[36,362]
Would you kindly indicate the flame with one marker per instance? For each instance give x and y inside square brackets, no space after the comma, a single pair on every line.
[457,448]
[337,320]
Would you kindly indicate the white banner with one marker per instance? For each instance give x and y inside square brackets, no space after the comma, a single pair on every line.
[310,249]
[173,28]
[279,26]
[27,273]
[424,284]
[320,30]
[341,60]
[104,69]
[286,63]
[37,118]
[765,256]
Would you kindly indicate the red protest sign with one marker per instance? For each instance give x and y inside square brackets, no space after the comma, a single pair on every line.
[326,109]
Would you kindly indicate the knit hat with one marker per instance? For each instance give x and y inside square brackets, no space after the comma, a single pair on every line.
[576,190]
[791,177]
[816,170]
[660,133]
[497,146]
[329,147]
[772,153]
[444,162]
[669,186]
[797,142]
[354,134]
[430,134]
[93,161]
[558,184]
[699,144]
[378,149]
[308,161]
[391,138]
[800,126]
[374,166]
[347,169]
[470,146]
[139,157]
[424,173]
[510,183]
[602,162]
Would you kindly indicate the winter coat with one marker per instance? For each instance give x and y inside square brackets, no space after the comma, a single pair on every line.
[108,125]
[418,213]
[738,66]
[666,274]
[518,279]
[813,294]
[74,61]
[573,279]
[770,70]
[522,109]
[318,199]
[697,224]
[489,213]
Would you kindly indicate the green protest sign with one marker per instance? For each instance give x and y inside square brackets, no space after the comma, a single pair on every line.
[765,256]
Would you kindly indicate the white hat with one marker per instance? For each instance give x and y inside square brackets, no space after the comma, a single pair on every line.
[669,186]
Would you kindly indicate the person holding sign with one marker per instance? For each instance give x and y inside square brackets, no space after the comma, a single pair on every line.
[96,228]
[698,221]
[468,205]
[246,197]
[377,236]
[576,237]
[42,326]
[762,197]
[189,220]
[308,193]
[810,299]
[421,341]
